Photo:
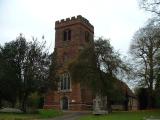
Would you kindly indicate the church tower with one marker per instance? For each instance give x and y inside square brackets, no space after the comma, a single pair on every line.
[71,35]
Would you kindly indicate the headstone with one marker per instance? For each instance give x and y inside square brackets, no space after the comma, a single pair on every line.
[10,110]
[99,106]
[153,118]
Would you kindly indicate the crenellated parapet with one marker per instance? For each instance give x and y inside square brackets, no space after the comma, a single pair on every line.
[73,20]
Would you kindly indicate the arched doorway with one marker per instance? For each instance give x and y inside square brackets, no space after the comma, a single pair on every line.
[64,103]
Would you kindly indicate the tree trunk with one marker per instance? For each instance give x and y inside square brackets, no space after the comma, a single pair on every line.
[150,99]
[151,77]
[126,102]
[13,104]
[109,105]
[0,103]
[24,106]
[24,103]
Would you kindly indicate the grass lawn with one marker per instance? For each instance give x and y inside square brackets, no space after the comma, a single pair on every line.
[14,116]
[138,115]
[49,113]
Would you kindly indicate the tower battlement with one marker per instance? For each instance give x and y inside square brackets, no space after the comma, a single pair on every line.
[73,20]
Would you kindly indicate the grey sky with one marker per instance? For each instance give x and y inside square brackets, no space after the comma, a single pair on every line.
[114,19]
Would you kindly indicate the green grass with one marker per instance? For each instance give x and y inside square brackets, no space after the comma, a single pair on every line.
[42,113]
[138,115]
[50,113]
[18,116]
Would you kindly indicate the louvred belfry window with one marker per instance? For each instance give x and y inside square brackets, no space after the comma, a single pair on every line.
[67,35]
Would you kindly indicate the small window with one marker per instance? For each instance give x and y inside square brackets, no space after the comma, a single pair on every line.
[87,36]
[67,35]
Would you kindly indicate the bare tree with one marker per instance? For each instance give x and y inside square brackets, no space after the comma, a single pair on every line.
[151,5]
[144,48]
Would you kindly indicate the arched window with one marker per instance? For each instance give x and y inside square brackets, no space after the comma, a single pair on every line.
[65,82]
[66,35]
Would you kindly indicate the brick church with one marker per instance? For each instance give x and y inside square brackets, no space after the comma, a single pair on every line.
[71,35]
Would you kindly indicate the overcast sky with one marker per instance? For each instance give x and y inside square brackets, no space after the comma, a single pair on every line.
[114,19]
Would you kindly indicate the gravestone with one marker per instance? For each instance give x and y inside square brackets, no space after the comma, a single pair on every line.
[153,118]
[10,110]
[99,105]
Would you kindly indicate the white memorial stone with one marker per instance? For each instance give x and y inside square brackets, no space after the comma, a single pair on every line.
[99,105]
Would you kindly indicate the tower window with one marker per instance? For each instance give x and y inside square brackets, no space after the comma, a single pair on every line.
[65,82]
[67,35]
[87,36]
